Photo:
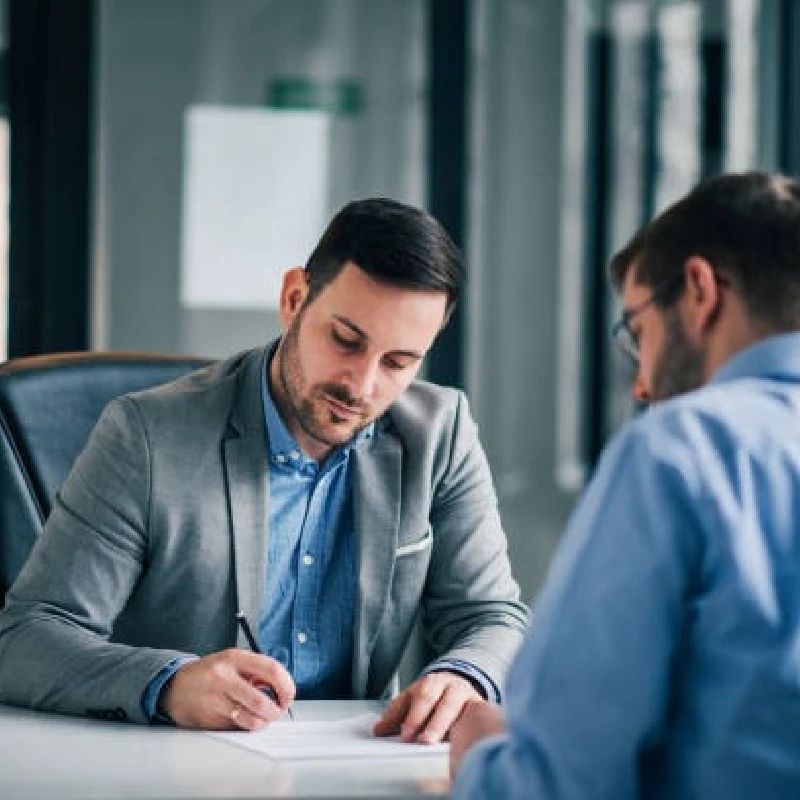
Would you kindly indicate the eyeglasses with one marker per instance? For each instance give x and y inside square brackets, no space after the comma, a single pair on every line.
[621,331]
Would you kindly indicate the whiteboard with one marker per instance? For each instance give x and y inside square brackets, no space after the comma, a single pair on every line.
[255,195]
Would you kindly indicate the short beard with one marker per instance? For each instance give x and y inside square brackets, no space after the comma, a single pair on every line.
[680,368]
[292,385]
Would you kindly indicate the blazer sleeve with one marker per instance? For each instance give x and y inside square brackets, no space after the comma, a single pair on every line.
[471,607]
[55,652]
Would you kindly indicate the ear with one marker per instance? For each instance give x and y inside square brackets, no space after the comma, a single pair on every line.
[703,295]
[294,291]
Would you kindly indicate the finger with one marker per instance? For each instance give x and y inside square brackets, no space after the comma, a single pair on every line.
[263,671]
[393,716]
[278,690]
[426,698]
[256,702]
[241,719]
[235,695]
[219,713]
[445,713]
[235,713]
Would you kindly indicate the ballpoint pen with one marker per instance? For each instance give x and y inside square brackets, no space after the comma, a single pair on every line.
[251,640]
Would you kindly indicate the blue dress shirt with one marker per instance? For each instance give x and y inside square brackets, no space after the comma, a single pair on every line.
[308,613]
[663,658]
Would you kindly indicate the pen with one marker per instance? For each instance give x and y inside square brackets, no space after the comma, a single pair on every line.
[251,640]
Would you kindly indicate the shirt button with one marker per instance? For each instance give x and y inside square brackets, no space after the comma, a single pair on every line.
[308,560]
[302,638]
[280,458]
[294,455]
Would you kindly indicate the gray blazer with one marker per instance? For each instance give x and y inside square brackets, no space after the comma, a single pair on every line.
[158,537]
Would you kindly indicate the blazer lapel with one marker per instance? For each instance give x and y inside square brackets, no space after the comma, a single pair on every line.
[376,508]
[247,476]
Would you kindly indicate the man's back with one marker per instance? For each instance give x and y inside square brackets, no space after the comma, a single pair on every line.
[664,655]
[734,729]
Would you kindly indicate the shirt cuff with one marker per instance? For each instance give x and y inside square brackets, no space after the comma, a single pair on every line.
[153,689]
[477,677]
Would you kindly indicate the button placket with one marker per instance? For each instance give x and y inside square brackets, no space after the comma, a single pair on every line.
[308,589]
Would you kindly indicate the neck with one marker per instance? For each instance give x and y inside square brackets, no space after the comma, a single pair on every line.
[736,333]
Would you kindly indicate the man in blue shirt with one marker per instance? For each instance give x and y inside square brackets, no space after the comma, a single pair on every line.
[312,488]
[663,660]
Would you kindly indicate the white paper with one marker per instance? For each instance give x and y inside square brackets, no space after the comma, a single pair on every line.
[287,740]
[255,202]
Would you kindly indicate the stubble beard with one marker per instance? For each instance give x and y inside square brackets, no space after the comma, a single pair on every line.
[307,405]
[681,366]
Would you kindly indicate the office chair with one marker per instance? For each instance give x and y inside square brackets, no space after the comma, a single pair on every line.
[48,407]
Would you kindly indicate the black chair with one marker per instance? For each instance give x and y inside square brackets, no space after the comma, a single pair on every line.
[48,407]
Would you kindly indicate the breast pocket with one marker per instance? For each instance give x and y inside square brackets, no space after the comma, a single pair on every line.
[417,546]
[411,564]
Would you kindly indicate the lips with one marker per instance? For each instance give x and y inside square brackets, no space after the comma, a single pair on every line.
[346,412]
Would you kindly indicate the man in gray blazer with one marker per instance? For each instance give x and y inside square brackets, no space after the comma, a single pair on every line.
[314,488]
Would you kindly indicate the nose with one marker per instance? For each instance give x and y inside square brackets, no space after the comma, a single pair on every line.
[639,391]
[364,377]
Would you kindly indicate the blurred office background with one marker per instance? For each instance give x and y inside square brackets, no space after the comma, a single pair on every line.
[163,161]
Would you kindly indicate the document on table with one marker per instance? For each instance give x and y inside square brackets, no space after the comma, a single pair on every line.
[352,737]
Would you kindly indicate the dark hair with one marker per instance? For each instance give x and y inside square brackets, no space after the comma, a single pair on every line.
[746,225]
[395,244]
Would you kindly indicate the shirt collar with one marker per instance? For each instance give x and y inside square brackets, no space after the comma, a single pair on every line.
[282,445]
[777,357]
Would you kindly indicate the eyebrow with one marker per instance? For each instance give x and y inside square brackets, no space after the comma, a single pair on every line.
[363,335]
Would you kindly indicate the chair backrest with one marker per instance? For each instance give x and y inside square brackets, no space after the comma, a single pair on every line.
[48,407]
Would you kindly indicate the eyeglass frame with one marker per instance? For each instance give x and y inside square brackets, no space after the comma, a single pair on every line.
[629,314]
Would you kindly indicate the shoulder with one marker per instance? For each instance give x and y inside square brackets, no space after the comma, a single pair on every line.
[699,437]
[744,411]
[208,379]
[427,413]
[423,403]
[433,427]
[197,397]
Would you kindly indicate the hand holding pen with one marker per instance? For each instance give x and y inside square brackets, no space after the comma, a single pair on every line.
[222,691]
[251,640]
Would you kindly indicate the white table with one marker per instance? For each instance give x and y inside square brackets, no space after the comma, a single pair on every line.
[45,756]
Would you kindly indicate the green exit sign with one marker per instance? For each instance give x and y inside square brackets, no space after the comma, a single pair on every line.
[307,94]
